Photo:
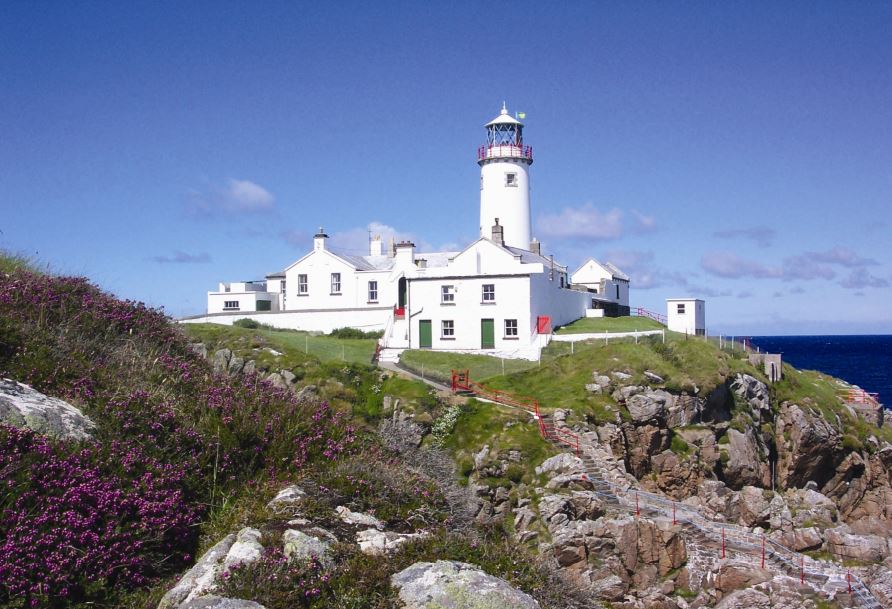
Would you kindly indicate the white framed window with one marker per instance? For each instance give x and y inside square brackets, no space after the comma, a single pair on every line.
[302,285]
[447,329]
[510,328]
[447,294]
[489,292]
[680,309]
[230,305]
[335,283]
[373,291]
[511,179]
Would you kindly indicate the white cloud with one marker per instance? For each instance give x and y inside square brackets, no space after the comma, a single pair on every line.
[586,223]
[645,274]
[732,266]
[860,279]
[233,197]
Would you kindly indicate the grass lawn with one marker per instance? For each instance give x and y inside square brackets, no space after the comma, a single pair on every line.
[324,348]
[610,324]
[438,365]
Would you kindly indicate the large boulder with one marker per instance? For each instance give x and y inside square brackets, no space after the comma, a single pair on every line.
[456,585]
[21,406]
[808,447]
[564,463]
[650,406]
[734,575]
[746,464]
[864,548]
[754,507]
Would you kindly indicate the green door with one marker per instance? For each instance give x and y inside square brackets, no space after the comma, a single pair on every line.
[487,334]
[424,334]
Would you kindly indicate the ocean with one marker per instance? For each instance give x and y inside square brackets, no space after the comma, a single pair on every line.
[865,361]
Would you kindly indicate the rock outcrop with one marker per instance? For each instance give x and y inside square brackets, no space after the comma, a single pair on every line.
[456,585]
[24,407]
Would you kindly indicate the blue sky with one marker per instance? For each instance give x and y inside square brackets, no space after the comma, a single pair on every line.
[740,152]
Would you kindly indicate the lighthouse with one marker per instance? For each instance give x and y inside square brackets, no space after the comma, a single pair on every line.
[505,180]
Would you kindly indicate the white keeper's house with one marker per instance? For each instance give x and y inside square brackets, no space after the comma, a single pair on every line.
[499,295]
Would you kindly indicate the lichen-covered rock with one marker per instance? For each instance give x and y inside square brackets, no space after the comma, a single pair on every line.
[808,447]
[733,575]
[199,580]
[563,463]
[221,360]
[650,406]
[297,544]
[219,602]
[21,406]
[287,499]
[245,550]
[358,518]
[456,585]
[379,543]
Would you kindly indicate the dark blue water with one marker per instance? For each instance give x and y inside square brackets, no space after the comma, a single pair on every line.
[865,361]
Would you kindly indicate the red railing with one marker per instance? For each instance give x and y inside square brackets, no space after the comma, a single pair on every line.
[504,150]
[461,381]
[642,312]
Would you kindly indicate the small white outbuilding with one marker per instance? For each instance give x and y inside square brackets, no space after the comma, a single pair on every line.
[687,315]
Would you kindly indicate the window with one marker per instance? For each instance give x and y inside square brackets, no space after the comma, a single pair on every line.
[511,179]
[282,286]
[302,287]
[335,283]
[447,294]
[562,281]
[230,305]
[489,292]
[448,329]
[681,309]
[617,292]
[264,305]
[510,328]
[373,291]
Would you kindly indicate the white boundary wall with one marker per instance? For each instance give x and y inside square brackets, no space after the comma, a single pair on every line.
[367,320]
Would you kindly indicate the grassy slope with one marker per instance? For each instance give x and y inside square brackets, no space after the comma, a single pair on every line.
[610,324]
[323,348]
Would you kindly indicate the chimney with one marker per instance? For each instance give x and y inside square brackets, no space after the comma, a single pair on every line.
[498,233]
[375,246]
[319,240]
[535,246]
[391,249]
[405,253]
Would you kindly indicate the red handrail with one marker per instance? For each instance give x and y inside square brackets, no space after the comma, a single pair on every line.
[461,381]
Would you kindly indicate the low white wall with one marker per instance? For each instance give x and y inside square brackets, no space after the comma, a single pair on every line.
[594,312]
[368,320]
[572,338]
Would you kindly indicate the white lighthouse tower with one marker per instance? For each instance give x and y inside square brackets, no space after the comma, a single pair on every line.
[505,180]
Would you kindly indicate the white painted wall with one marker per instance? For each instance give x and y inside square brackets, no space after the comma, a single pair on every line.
[510,204]
[247,300]
[563,306]
[593,275]
[511,302]
[691,321]
[319,266]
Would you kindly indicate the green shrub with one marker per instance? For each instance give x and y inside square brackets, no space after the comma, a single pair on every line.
[679,446]
[250,324]
[851,443]
[354,333]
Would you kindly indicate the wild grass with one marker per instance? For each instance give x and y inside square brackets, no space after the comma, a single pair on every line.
[319,346]
[610,324]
